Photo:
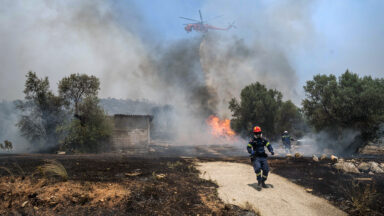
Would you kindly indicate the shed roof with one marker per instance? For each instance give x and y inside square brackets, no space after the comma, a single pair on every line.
[134,116]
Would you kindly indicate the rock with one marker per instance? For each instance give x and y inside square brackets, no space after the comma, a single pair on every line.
[346,167]
[374,167]
[323,157]
[364,167]
[382,165]
[315,158]
[371,173]
[24,204]
[372,149]
[160,176]
[334,158]
[363,179]
[298,155]
[61,152]
[308,189]
[135,173]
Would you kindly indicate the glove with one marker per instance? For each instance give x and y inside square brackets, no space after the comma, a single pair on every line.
[253,153]
[272,153]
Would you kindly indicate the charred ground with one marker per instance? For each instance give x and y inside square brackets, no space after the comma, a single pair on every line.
[108,185]
[120,184]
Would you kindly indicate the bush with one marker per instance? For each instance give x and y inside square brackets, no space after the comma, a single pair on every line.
[90,132]
[265,108]
[349,102]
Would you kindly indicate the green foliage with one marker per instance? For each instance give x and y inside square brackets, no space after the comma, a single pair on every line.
[90,128]
[8,145]
[289,118]
[90,132]
[42,112]
[265,108]
[76,87]
[46,123]
[349,102]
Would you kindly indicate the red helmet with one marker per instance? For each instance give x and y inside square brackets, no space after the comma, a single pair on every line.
[257,129]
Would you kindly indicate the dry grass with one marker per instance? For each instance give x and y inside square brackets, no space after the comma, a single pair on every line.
[251,209]
[53,168]
[130,187]
[361,197]
[21,171]
[8,171]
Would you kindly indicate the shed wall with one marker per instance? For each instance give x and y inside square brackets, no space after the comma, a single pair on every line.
[131,132]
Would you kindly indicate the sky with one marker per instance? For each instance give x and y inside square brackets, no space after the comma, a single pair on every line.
[345,34]
[314,37]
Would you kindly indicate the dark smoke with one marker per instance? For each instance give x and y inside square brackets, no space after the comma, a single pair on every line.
[230,64]
[180,70]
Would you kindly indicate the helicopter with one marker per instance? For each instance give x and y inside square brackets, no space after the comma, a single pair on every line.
[201,26]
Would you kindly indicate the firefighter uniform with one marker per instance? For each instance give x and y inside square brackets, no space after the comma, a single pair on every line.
[286,142]
[259,157]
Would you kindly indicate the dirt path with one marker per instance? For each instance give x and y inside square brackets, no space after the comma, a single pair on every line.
[237,186]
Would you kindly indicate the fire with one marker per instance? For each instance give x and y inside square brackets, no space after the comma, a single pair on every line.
[220,128]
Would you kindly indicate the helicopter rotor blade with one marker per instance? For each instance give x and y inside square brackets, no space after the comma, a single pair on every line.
[201,17]
[189,19]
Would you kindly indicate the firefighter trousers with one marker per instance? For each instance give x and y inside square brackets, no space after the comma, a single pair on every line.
[260,165]
[287,147]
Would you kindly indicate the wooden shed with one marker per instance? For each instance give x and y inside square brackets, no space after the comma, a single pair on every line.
[131,132]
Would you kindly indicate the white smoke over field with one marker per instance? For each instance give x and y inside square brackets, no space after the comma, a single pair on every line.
[197,76]
[322,142]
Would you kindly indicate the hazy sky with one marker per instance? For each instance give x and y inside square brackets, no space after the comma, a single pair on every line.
[57,38]
[333,35]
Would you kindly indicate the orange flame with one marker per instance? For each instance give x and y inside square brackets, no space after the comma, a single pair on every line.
[220,128]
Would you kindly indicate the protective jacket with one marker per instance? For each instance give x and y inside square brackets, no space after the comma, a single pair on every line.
[256,147]
[286,139]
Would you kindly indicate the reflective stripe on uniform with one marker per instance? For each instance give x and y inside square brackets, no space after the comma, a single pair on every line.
[249,145]
[257,174]
[267,144]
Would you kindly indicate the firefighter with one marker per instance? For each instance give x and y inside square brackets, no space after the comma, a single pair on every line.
[286,142]
[258,156]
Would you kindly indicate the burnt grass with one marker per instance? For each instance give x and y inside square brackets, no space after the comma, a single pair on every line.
[155,186]
[167,186]
[356,194]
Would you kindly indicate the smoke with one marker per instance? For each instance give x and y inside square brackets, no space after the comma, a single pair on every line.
[8,129]
[196,76]
[323,142]
[230,65]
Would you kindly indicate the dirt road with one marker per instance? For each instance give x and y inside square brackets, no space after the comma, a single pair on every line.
[237,185]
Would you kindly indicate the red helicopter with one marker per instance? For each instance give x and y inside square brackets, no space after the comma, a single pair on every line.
[201,26]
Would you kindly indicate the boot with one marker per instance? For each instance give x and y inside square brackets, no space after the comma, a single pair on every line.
[263,184]
[259,185]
